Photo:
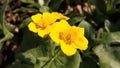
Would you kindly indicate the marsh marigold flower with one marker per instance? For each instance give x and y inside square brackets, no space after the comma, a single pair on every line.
[70,38]
[43,23]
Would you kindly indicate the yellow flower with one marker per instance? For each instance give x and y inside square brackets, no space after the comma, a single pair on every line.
[43,23]
[70,38]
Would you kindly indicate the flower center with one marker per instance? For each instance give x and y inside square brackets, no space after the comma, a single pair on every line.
[41,27]
[66,37]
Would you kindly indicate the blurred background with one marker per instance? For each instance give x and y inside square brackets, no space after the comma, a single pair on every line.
[100,18]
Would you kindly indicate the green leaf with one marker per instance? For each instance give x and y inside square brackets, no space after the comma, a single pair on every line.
[63,61]
[6,37]
[111,5]
[110,37]
[31,2]
[88,29]
[106,57]
[42,57]
[55,4]
[44,9]
[7,34]
[2,11]
[40,52]
[115,37]
[75,18]
[28,1]
[107,25]
[25,22]
[33,10]
[115,49]
[108,50]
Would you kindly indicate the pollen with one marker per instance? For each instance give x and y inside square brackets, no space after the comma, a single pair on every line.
[66,37]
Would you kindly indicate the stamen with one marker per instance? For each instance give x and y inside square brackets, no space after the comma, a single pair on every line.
[41,27]
[65,37]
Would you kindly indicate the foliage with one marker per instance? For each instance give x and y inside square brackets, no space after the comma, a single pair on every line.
[100,18]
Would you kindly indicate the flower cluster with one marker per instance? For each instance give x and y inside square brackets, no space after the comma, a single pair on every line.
[70,38]
[43,23]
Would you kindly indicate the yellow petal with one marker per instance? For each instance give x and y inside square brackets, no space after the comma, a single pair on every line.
[81,43]
[32,27]
[42,33]
[36,18]
[69,50]
[61,26]
[58,27]
[55,36]
[60,16]
[78,30]
[48,19]
[46,15]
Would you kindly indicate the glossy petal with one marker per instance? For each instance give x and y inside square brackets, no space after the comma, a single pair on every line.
[48,18]
[36,18]
[43,33]
[60,16]
[58,27]
[81,43]
[32,27]
[69,50]
[62,25]
[78,30]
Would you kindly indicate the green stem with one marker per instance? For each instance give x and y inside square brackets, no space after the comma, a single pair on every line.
[52,59]
[52,47]
[2,11]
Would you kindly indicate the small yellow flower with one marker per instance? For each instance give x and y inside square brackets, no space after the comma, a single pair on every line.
[70,38]
[44,23]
